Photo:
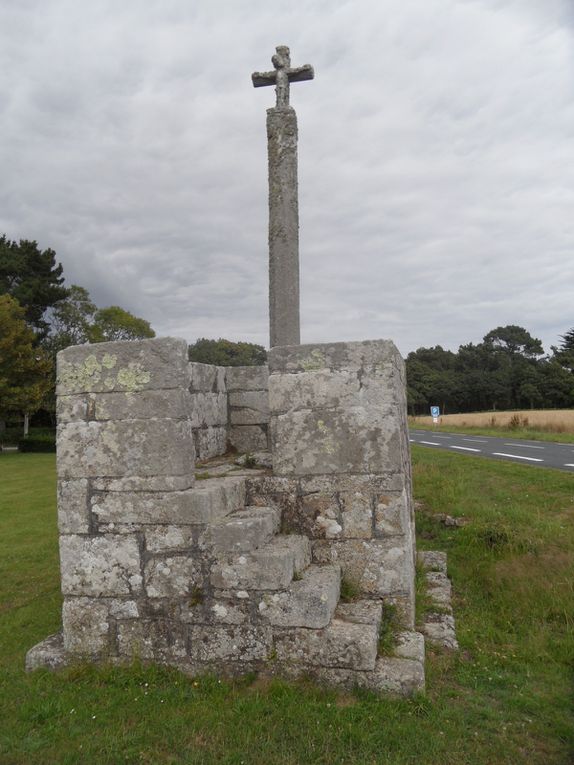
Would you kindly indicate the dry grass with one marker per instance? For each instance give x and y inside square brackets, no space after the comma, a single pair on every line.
[548,420]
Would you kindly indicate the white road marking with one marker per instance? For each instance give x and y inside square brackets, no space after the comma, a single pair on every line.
[516,457]
[437,436]
[465,448]
[569,464]
[430,443]
[475,440]
[526,446]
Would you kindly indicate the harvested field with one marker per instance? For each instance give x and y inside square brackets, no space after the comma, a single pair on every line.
[547,420]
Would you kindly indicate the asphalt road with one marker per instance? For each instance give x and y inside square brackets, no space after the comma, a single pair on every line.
[538,453]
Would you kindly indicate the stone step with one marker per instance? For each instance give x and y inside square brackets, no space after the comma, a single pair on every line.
[244,530]
[361,612]
[308,602]
[270,567]
[215,498]
[342,644]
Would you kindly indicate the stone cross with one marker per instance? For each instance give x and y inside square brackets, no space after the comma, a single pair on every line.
[282,75]
[284,319]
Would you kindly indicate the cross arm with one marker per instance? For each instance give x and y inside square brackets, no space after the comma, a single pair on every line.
[297,74]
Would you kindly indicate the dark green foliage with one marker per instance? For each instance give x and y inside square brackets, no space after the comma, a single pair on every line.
[115,323]
[32,277]
[226,353]
[505,371]
[390,625]
[37,444]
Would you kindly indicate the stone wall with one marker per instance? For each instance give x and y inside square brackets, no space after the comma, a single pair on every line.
[239,571]
[208,406]
[247,388]
[341,462]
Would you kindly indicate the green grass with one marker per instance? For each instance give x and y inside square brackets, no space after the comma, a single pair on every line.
[529,434]
[505,698]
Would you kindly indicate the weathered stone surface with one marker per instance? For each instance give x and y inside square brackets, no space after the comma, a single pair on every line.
[248,438]
[228,611]
[73,506]
[327,389]
[247,378]
[439,588]
[205,503]
[230,643]
[283,227]
[100,566]
[340,644]
[243,531]
[123,608]
[361,612]
[380,567]
[377,357]
[410,645]
[207,378]
[126,447]
[309,602]
[172,576]
[86,626]
[439,629]
[400,677]
[392,514]
[351,440]
[141,405]
[208,409]
[138,483]
[49,654]
[158,639]
[159,539]
[210,442]
[248,407]
[271,567]
[433,560]
[159,363]
[356,514]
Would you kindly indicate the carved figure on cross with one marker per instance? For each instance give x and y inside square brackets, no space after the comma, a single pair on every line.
[282,76]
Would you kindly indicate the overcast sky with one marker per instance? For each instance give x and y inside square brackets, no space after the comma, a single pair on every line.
[436,161]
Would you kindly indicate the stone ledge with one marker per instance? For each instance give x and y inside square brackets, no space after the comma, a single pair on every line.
[48,654]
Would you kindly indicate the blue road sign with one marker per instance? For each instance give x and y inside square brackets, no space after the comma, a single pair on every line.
[435,411]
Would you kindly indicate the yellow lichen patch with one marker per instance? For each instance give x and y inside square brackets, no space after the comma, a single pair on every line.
[315,360]
[109,361]
[134,377]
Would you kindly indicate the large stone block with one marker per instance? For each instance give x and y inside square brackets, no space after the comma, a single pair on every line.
[309,601]
[174,576]
[230,643]
[247,378]
[127,447]
[208,378]
[86,626]
[73,506]
[381,568]
[141,405]
[100,566]
[210,442]
[354,440]
[248,438]
[374,356]
[248,407]
[325,389]
[208,409]
[341,644]
[203,504]
[160,363]
[159,639]
[159,539]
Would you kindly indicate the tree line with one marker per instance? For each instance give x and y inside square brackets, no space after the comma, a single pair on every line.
[39,316]
[507,370]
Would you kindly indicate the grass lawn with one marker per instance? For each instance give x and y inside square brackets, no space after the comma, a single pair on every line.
[505,698]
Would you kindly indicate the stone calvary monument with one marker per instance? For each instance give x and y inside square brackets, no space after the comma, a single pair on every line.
[172,553]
